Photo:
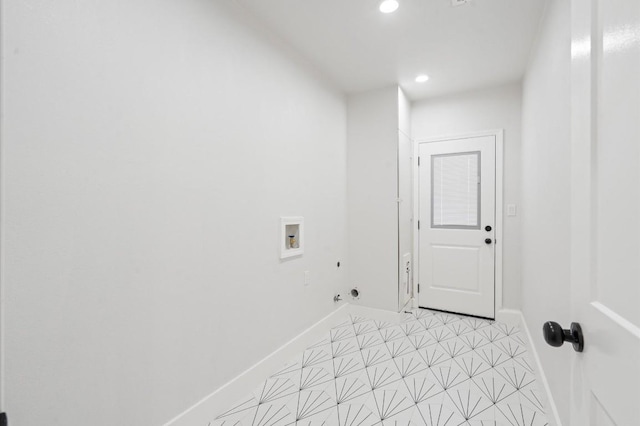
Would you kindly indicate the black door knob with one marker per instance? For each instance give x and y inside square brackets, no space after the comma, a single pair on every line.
[487,241]
[555,336]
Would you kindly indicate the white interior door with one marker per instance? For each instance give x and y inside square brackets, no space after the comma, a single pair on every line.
[457,225]
[606,211]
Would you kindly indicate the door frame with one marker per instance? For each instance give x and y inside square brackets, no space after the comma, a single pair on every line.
[499,208]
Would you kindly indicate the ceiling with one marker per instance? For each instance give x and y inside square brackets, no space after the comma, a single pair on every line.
[479,44]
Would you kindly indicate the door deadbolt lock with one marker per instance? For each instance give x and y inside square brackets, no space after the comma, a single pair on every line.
[488,228]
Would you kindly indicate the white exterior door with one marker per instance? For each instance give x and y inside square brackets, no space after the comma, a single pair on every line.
[457,225]
[606,211]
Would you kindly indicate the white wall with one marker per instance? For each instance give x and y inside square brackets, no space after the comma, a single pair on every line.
[404,112]
[372,152]
[546,194]
[145,166]
[405,188]
[487,109]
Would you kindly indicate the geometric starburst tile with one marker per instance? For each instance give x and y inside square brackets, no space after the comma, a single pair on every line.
[314,356]
[493,387]
[273,389]
[446,319]
[472,365]
[422,389]
[474,340]
[323,418]
[424,368]
[421,341]
[441,334]
[369,340]
[356,414]
[517,338]
[507,330]
[439,414]
[350,388]
[313,402]
[272,415]
[532,397]
[520,415]
[429,323]
[459,328]
[225,423]
[381,325]
[422,313]
[434,356]
[383,375]
[400,347]
[287,370]
[312,377]
[410,365]
[405,417]
[347,365]
[364,328]
[517,377]
[355,319]
[390,334]
[510,348]
[491,334]
[242,407]
[345,323]
[475,323]
[343,348]
[448,377]
[454,348]
[343,333]
[470,403]
[412,329]
[375,356]
[493,357]
[407,317]
[523,362]
[391,403]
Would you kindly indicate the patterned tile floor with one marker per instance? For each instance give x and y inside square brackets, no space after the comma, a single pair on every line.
[431,368]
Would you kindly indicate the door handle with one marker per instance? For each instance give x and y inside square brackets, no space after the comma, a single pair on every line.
[555,336]
[488,241]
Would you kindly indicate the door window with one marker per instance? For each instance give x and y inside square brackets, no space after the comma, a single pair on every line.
[455,190]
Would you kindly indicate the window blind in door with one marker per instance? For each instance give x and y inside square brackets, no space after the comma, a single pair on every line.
[455,190]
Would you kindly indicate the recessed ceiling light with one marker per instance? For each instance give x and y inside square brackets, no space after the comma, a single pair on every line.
[388,6]
[422,78]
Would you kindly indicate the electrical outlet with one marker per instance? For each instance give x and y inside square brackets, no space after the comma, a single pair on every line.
[306,278]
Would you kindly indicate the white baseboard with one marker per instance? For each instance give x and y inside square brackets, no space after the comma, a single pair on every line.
[222,398]
[552,411]
[509,316]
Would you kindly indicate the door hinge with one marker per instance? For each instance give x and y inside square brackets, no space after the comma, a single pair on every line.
[418,287]
[418,225]
[3,419]
[418,161]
